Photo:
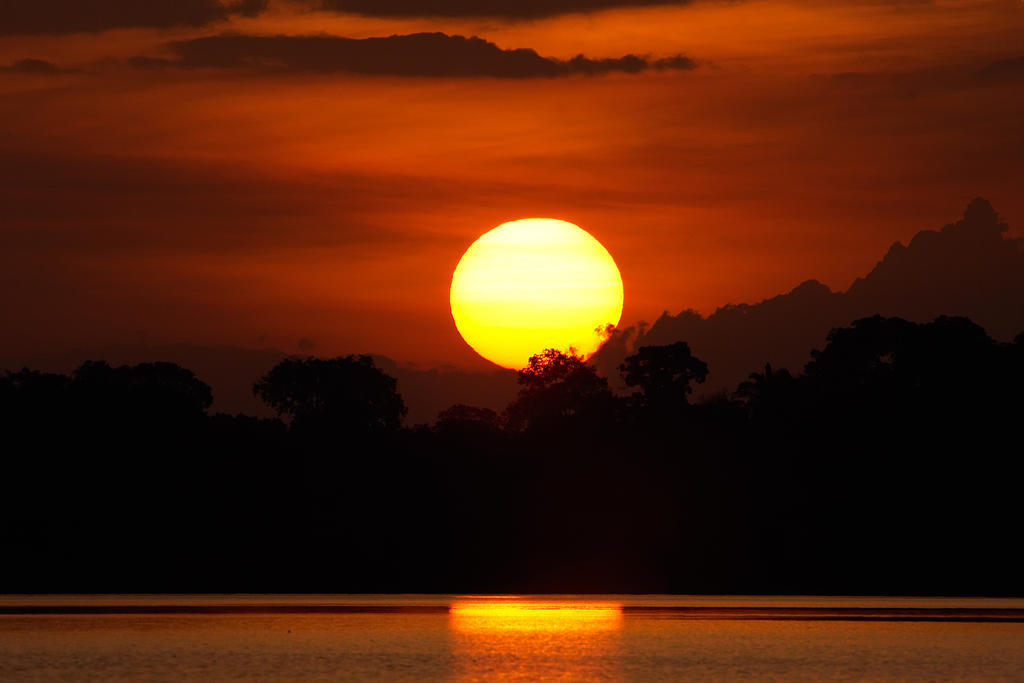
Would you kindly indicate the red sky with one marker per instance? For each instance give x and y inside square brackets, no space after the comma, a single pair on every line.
[256,201]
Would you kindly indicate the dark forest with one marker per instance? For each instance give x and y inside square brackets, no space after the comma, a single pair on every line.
[891,464]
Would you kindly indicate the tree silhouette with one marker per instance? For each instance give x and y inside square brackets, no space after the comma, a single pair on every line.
[347,393]
[30,390]
[891,465]
[152,387]
[860,356]
[896,360]
[558,387]
[461,417]
[664,374]
[768,392]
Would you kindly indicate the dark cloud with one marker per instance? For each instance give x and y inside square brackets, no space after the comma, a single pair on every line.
[420,54]
[1004,69]
[74,16]
[38,67]
[509,9]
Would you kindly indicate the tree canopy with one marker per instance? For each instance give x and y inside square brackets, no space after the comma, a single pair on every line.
[664,374]
[348,392]
[557,388]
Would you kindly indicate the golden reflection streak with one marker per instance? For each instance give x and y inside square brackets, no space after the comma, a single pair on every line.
[488,616]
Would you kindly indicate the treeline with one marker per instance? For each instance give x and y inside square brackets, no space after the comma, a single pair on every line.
[891,464]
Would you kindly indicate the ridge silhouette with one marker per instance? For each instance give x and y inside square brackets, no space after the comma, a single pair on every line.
[968,268]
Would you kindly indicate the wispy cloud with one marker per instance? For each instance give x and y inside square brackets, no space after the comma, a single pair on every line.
[36,67]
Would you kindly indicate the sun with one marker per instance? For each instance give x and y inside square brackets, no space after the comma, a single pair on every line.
[534,284]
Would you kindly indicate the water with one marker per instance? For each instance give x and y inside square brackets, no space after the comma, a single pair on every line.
[311,638]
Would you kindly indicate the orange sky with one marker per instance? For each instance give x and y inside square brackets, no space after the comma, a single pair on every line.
[258,206]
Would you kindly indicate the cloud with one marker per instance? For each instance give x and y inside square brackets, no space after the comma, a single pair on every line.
[419,54]
[74,16]
[36,67]
[509,9]
[1004,69]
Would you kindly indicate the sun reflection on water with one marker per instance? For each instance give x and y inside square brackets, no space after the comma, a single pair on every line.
[529,639]
[535,615]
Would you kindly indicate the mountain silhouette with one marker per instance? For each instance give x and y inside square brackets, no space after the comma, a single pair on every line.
[969,268]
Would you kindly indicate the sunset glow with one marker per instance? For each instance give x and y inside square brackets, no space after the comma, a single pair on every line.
[336,289]
[534,284]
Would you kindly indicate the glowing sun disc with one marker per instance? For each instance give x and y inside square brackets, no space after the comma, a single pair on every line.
[534,284]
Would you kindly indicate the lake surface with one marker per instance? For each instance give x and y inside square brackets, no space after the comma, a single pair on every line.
[350,637]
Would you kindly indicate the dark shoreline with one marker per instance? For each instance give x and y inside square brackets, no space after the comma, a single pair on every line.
[882,614]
